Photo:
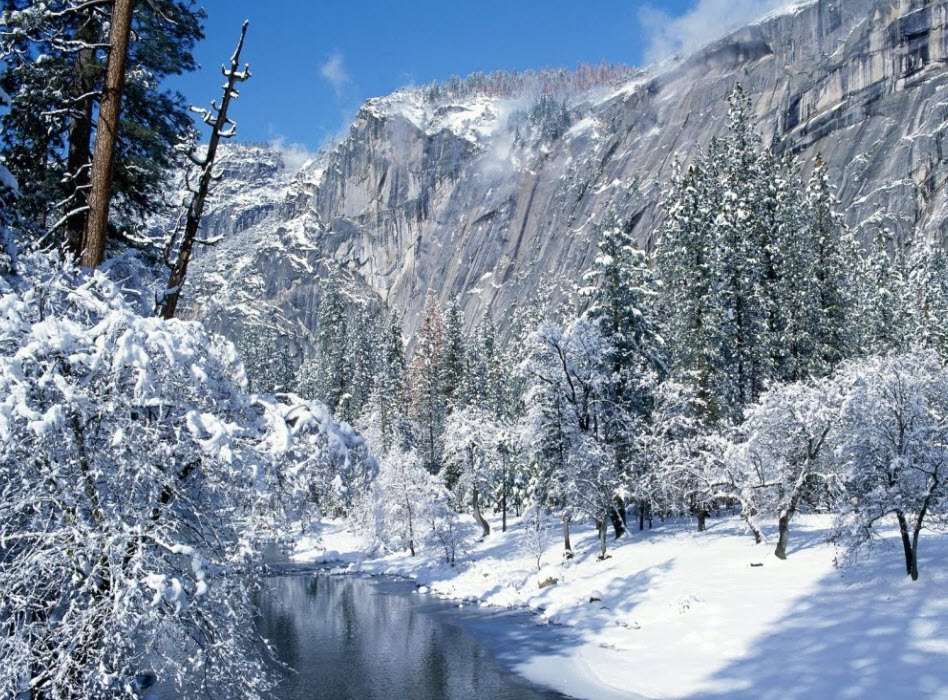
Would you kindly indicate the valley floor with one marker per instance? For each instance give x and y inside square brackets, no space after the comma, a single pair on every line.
[675,613]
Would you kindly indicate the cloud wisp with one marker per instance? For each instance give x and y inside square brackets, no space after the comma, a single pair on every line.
[708,20]
[335,73]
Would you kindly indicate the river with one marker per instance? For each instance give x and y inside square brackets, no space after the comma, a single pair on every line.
[359,637]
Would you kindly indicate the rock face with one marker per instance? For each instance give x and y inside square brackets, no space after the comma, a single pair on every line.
[488,197]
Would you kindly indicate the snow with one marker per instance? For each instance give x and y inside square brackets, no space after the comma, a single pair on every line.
[474,119]
[687,614]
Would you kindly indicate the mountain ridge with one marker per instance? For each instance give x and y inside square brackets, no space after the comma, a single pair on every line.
[480,197]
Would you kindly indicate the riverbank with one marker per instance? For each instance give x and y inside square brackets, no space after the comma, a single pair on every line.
[675,613]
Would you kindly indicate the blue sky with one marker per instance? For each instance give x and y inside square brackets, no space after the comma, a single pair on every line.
[315,61]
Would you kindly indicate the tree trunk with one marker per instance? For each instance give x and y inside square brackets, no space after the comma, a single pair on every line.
[485,526]
[169,299]
[503,505]
[618,523]
[910,563]
[80,138]
[641,515]
[783,529]
[567,547]
[758,535]
[702,517]
[103,159]
[602,526]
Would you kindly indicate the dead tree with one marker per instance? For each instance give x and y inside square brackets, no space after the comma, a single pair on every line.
[103,157]
[177,253]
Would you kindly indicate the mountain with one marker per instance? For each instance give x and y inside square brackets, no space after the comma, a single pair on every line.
[492,187]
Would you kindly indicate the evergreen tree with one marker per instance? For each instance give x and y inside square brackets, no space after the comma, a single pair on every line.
[453,355]
[427,394]
[47,136]
[835,253]
[928,299]
[327,376]
[390,385]
[882,299]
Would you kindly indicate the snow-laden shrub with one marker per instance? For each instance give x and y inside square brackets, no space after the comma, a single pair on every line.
[398,511]
[134,473]
[322,467]
[447,532]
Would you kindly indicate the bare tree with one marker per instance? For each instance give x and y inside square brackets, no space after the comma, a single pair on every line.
[181,242]
[103,158]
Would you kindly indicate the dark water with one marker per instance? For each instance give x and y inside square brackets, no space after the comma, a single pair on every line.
[349,637]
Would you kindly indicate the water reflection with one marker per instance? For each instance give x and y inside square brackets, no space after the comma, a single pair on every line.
[347,637]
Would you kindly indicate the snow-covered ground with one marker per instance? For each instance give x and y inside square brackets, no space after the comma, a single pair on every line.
[675,613]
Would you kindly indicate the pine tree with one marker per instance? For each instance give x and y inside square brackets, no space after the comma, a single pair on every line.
[427,393]
[834,255]
[390,385]
[453,355]
[327,376]
[881,300]
[928,298]
[51,156]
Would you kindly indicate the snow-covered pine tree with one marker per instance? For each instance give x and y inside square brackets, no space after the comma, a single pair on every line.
[738,313]
[834,256]
[364,346]
[428,404]
[327,376]
[928,298]
[622,301]
[881,304]
[453,354]
[684,263]
[391,389]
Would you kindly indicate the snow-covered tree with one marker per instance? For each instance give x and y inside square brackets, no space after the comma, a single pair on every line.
[927,289]
[893,446]
[427,394]
[132,475]
[453,354]
[536,538]
[470,443]
[882,299]
[404,495]
[327,376]
[785,460]
[391,390]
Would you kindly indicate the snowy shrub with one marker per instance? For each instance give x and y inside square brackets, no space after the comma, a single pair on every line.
[536,537]
[446,531]
[134,476]
[402,501]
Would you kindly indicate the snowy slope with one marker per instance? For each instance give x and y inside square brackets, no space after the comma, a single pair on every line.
[683,614]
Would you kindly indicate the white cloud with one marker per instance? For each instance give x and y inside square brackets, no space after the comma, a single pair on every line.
[295,155]
[334,71]
[706,21]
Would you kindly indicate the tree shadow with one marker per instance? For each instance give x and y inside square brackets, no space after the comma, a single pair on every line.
[865,632]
